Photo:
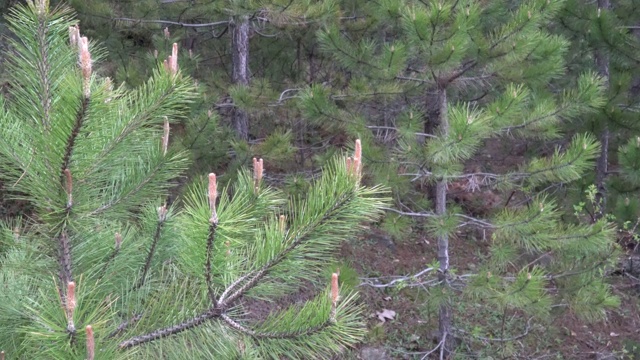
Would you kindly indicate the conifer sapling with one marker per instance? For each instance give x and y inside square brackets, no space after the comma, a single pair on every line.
[155,279]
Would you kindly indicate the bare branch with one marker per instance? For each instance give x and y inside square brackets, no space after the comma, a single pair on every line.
[372,281]
[281,98]
[414,214]
[396,129]
[264,35]
[167,22]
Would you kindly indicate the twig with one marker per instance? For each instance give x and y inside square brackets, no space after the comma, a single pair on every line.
[439,346]
[442,345]
[399,279]
[281,98]
[217,23]
[631,276]
[431,214]
[264,35]
[414,214]
[396,129]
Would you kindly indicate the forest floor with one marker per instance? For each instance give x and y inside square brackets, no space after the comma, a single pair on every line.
[375,258]
[413,331]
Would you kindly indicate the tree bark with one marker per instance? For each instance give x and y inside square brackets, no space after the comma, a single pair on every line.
[240,58]
[602,164]
[444,313]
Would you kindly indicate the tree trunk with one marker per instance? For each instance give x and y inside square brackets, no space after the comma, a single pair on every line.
[444,313]
[240,57]
[602,64]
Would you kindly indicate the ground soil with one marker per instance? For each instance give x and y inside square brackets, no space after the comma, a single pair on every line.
[414,329]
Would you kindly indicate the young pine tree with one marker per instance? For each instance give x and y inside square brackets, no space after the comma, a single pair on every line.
[250,51]
[458,77]
[603,39]
[103,269]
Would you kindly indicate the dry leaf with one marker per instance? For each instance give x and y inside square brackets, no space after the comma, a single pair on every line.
[386,314]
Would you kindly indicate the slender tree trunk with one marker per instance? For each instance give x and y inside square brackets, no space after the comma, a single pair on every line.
[240,76]
[299,125]
[444,313]
[312,65]
[602,63]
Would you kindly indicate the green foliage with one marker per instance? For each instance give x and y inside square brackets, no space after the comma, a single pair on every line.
[497,104]
[107,247]
[277,147]
[469,75]
[602,40]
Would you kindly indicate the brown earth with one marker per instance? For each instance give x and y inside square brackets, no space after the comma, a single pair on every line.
[414,330]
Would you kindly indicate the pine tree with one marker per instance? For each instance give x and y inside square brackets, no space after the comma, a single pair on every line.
[249,51]
[603,40]
[104,268]
[455,77]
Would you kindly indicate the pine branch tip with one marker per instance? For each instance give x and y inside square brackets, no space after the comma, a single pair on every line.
[165,136]
[91,346]
[335,291]
[258,172]
[354,164]
[213,196]
[118,240]
[162,213]
[71,306]
[85,64]
[68,187]
[171,64]
[74,35]
[41,6]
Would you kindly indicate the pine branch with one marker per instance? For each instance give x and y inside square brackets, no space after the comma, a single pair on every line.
[162,216]
[113,255]
[529,122]
[337,47]
[233,285]
[237,326]
[207,268]
[172,330]
[152,105]
[239,287]
[275,335]
[64,260]
[299,239]
[132,192]
[43,69]
[80,117]
[124,325]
